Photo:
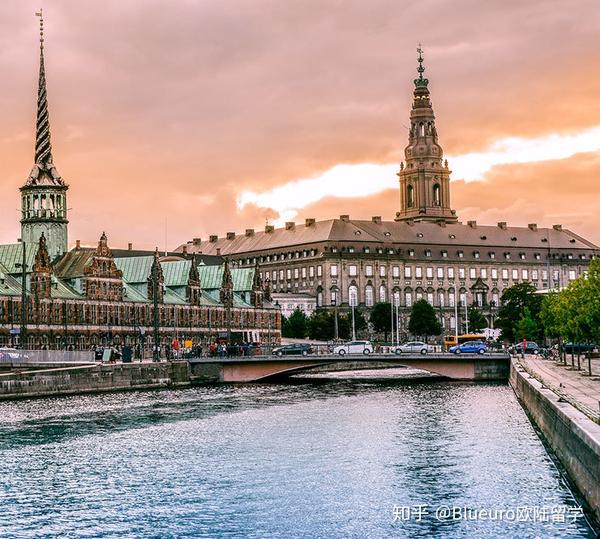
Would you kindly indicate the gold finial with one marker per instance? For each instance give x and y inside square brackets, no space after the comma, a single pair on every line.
[420,69]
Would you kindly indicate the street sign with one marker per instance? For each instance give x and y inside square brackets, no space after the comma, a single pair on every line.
[15,331]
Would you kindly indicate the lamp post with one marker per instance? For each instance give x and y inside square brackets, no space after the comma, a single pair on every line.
[155,319]
[352,305]
[23,265]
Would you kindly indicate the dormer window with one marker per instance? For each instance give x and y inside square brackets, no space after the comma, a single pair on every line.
[483,237]
[387,233]
[452,236]
[427,252]
[475,254]
[420,235]
[350,249]
[545,240]
[366,249]
[460,254]
[492,254]
[514,238]
[522,256]
[507,256]
[444,254]
[411,252]
[357,232]
[537,256]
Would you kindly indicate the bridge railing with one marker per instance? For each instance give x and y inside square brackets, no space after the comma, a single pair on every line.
[299,349]
[31,357]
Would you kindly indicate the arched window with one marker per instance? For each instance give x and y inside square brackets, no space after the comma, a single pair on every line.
[369,295]
[353,295]
[422,129]
[410,196]
[333,292]
[382,293]
[396,296]
[436,195]
[441,298]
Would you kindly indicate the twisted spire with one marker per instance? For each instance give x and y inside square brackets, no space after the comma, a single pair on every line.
[44,168]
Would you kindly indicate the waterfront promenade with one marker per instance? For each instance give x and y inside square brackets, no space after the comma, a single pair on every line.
[574,386]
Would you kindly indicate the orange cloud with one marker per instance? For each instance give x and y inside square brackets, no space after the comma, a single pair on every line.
[171,110]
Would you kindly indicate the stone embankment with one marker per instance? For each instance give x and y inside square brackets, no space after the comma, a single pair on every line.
[573,435]
[93,378]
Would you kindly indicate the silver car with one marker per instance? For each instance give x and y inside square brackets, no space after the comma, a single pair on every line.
[413,347]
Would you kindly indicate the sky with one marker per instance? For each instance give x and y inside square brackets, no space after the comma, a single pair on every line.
[185,118]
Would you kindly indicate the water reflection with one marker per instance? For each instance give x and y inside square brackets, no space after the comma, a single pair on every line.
[319,459]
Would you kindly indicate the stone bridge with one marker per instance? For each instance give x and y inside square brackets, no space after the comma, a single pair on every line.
[263,368]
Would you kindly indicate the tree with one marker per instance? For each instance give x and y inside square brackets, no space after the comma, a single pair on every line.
[381,318]
[514,301]
[477,321]
[296,326]
[423,320]
[321,325]
[527,327]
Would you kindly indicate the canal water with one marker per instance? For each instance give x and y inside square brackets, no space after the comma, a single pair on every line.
[321,458]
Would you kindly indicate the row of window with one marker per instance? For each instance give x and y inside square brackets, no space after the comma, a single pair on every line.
[460,253]
[451,273]
[440,298]
[281,256]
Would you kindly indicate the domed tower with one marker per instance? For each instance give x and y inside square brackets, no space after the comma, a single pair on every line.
[425,177]
[44,195]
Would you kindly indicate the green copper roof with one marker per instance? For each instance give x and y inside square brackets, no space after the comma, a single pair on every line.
[11,254]
[137,269]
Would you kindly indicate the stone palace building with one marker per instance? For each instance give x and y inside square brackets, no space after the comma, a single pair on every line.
[425,252]
[53,297]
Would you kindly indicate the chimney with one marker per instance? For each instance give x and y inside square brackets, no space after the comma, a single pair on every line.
[230,235]
[502,225]
[184,250]
[77,244]
[218,251]
[290,225]
[213,238]
[130,246]
[557,227]
[269,228]
[472,224]
[197,241]
[345,218]
[376,219]
[309,222]
[249,232]
[532,226]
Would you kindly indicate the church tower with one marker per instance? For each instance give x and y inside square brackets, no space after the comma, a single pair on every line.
[44,195]
[425,177]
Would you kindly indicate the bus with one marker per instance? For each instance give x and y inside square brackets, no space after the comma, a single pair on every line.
[450,340]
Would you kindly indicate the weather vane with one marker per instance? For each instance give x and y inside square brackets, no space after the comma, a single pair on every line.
[40,14]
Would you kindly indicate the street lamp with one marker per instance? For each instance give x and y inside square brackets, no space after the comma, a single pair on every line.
[23,265]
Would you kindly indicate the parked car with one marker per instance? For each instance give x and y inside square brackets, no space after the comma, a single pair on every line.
[413,347]
[354,347]
[471,347]
[300,349]
[7,353]
[574,347]
[531,348]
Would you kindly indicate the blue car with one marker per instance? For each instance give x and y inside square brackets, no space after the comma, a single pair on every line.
[471,347]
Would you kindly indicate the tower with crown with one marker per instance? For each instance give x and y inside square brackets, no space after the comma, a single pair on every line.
[44,195]
[425,177]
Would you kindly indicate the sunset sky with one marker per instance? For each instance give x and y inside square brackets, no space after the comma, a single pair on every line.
[207,116]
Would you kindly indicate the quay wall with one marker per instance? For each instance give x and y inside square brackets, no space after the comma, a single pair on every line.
[574,437]
[93,379]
